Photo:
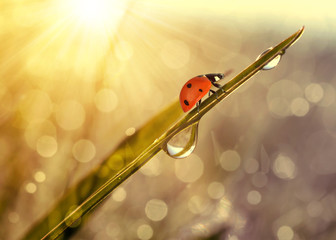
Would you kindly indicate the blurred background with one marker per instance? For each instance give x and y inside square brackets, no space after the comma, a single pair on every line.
[77,77]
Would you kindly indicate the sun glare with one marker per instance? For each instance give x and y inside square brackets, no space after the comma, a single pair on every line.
[97,13]
[90,11]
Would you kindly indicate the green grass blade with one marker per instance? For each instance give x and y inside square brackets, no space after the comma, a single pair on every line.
[195,115]
[55,221]
[134,152]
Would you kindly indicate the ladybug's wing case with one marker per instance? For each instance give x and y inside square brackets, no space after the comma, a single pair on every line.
[193,91]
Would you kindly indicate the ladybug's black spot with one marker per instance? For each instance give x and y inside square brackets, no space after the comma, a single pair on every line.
[200,90]
[186,102]
[189,85]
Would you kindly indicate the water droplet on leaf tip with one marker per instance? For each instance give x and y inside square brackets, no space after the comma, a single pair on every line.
[274,62]
[183,143]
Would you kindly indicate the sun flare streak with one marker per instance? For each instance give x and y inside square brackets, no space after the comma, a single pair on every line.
[75,37]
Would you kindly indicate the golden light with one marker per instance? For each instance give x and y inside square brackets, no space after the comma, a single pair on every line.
[74,37]
[96,12]
[89,10]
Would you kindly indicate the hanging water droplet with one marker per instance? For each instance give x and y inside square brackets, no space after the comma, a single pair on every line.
[183,143]
[273,63]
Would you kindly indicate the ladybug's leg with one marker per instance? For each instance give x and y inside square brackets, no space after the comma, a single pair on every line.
[198,105]
[213,92]
[217,85]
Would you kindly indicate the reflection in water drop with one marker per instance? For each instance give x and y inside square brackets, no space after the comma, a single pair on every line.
[273,63]
[183,143]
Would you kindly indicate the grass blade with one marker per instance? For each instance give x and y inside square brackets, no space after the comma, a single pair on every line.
[134,152]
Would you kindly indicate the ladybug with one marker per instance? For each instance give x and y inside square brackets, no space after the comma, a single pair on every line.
[196,88]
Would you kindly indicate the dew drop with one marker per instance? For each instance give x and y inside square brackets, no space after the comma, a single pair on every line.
[183,143]
[273,63]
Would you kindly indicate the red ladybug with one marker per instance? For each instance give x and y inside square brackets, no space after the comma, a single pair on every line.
[196,88]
